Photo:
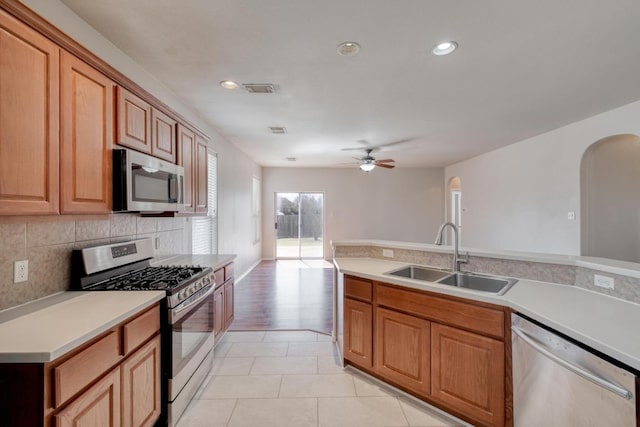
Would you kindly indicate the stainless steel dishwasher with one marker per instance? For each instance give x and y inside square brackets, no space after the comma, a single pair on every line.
[558,383]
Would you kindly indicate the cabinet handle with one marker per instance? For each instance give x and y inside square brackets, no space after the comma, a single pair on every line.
[614,388]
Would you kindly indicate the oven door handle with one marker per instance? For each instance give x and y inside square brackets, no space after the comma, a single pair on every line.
[179,311]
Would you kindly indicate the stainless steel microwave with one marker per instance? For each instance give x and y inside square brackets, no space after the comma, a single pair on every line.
[142,183]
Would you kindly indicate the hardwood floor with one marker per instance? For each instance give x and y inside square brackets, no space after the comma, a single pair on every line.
[285,295]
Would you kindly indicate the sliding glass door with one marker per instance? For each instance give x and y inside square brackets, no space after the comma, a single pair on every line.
[299,225]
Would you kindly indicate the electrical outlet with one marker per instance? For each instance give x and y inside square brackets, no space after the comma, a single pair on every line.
[571,216]
[387,253]
[21,271]
[603,281]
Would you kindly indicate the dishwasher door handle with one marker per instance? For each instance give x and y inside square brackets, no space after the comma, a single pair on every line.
[614,388]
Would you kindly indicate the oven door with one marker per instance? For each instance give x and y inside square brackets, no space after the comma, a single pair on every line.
[191,328]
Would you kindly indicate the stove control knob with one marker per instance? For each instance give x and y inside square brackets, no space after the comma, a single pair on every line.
[181,295]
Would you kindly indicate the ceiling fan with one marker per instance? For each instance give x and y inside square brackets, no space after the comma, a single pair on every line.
[368,162]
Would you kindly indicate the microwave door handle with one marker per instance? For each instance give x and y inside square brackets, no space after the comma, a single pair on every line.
[614,388]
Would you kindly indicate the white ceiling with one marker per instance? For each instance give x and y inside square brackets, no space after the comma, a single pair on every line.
[523,68]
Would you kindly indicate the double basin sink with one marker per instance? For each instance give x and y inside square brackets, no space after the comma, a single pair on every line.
[472,281]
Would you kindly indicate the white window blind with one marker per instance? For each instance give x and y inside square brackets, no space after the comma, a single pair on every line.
[204,230]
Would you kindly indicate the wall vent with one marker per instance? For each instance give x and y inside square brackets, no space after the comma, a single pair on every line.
[277,129]
[259,88]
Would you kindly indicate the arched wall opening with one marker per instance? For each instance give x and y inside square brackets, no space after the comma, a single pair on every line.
[610,198]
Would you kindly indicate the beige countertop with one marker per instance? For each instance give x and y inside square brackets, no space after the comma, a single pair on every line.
[604,323]
[48,328]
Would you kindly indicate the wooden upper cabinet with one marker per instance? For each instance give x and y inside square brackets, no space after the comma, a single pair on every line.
[186,154]
[201,181]
[163,136]
[468,373]
[29,120]
[86,137]
[134,121]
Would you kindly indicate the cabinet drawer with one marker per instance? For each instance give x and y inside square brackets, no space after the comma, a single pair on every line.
[228,272]
[358,288]
[141,328]
[219,276]
[465,315]
[83,368]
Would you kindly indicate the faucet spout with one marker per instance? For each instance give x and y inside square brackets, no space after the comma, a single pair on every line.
[457,260]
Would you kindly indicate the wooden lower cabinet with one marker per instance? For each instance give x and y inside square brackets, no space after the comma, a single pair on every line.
[445,350]
[98,406]
[467,373]
[358,340]
[228,304]
[140,378]
[218,311]
[402,350]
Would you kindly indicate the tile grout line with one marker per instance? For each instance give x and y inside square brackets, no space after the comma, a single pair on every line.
[235,404]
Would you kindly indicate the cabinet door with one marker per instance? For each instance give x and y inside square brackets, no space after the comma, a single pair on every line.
[228,304]
[201,175]
[468,373]
[402,350]
[98,406]
[163,136]
[29,120]
[134,121]
[218,311]
[141,386]
[86,111]
[358,327]
[186,147]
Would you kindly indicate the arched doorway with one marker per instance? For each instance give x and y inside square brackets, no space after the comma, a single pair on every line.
[610,203]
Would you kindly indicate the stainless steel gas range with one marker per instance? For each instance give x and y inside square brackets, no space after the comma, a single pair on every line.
[187,329]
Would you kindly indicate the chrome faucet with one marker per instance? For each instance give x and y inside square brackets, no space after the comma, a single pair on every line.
[457,260]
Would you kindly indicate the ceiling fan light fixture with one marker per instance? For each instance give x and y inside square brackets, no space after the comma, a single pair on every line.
[229,84]
[444,48]
[367,167]
[348,48]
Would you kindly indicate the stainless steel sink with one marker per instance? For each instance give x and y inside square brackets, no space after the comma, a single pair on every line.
[479,282]
[476,282]
[420,273]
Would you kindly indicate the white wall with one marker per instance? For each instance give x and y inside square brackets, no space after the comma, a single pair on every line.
[518,197]
[401,204]
[235,169]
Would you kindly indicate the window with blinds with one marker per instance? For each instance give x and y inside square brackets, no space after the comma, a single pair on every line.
[204,230]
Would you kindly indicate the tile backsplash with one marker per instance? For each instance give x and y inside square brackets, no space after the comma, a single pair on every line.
[48,246]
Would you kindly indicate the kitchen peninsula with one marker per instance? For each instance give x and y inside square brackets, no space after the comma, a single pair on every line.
[380,317]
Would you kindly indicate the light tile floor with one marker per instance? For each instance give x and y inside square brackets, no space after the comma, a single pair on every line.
[293,379]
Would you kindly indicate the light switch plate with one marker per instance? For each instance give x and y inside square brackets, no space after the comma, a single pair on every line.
[21,271]
[387,253]
[603,281]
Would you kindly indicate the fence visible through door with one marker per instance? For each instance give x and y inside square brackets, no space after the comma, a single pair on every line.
[299,225]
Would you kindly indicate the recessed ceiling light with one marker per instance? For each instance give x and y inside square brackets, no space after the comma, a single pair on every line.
[348,48]
[229,84]
[444,48]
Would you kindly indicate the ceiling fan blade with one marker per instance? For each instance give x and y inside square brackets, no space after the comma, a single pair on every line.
[358,148]
[385,161]
[384,165]
[389,144]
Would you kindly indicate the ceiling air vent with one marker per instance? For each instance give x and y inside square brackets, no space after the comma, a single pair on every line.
[277,129]
[259,88]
